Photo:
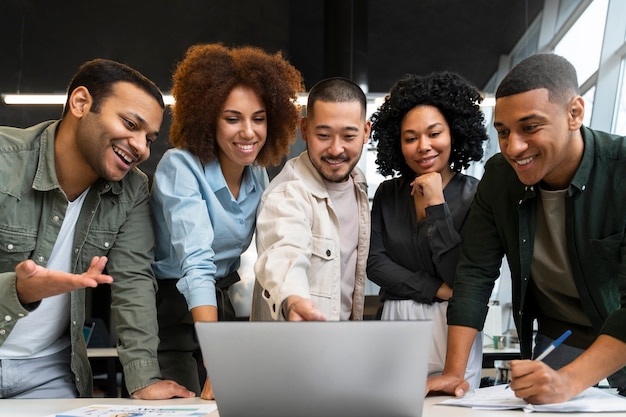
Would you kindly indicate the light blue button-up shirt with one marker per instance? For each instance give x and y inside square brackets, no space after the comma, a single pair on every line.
[201,230]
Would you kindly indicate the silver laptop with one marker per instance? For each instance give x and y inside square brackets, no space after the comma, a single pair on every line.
[312,369]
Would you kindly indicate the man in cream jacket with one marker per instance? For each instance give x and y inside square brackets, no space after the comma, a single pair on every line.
[313,222]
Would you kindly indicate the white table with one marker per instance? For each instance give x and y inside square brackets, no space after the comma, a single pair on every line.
[39,408]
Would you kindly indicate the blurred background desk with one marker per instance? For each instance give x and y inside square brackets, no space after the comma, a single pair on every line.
[490,355]
[112,384]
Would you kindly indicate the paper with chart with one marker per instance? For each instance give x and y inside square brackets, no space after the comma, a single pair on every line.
[111,410]
[500,397]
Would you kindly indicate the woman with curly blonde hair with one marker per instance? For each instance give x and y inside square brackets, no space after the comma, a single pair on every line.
[234,115]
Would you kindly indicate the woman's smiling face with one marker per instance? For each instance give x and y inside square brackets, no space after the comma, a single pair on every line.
[425,140]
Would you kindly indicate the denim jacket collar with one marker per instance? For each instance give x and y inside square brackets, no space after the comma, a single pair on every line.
[46,177]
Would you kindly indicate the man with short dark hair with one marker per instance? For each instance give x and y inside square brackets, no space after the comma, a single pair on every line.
[553,202]
[313,222]
[74,214]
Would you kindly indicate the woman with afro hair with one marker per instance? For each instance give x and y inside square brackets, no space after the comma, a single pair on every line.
[234,115]
[428,129]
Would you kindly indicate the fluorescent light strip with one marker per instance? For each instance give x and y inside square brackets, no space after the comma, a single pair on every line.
[59,99]
[34,98]
[52,99]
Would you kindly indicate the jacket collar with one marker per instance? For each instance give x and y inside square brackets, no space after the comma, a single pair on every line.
[46,176]
[581,177]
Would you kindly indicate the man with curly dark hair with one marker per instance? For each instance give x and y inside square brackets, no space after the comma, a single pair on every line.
[554,202]
[235,114]
[427,130]
[314,219]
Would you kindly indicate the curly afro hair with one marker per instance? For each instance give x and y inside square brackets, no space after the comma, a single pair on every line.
[204,79]
[456,99]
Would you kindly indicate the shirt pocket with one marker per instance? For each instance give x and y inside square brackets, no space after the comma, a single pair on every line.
[97,243]
[324,261]
[606,254]
[16,245]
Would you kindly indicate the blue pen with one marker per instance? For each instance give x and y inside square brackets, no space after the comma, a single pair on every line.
[553,345]
[550,348]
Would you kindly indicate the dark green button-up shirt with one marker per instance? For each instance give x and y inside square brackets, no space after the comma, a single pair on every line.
[114,221]
[502,222]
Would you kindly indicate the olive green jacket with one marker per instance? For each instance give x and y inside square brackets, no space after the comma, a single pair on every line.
[114,221]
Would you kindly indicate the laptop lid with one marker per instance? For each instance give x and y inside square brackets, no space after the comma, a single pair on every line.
[312,369]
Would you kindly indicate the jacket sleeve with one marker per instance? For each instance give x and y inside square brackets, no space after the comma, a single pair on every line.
[10,305]
[615,324]
[479,261]
[133,291]
[284,240]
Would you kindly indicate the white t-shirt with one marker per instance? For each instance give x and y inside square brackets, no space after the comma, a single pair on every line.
[44,331]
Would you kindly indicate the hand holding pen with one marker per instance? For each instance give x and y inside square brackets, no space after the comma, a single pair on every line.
[552,346]
[534,380]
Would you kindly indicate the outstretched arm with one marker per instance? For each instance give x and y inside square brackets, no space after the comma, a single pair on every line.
[34,282]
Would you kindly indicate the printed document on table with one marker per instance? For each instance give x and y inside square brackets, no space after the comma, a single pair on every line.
[500,397]
[110,410]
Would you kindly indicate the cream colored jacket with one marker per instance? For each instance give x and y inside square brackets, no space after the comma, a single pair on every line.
[298,243]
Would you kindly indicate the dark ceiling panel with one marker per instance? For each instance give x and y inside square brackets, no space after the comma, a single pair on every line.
[466,36]
[44,41]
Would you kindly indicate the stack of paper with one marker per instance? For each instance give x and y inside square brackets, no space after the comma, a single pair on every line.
[501,397]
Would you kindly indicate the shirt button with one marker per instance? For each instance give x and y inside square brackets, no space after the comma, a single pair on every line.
[106,244]
[41,258]
[75,250]
[55,218]
[10,246]
[327,252]
[20,314]
[2,331]
[8,318]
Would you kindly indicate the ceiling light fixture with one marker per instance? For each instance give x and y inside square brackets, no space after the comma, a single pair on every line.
[59,99]
[52,99]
